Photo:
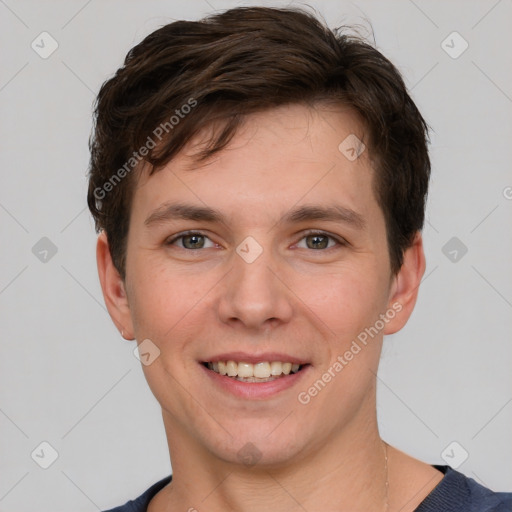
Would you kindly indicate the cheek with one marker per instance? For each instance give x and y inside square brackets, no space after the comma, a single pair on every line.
[164,309]
[158,302]
[350,306]
[347,301]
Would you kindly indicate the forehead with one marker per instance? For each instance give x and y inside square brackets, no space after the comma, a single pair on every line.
[278,159]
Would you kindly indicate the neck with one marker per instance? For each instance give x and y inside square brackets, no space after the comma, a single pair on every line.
[346,471]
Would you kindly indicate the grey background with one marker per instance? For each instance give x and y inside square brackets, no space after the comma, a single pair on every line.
[68,378]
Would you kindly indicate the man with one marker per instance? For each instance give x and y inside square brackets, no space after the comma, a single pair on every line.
[259,182]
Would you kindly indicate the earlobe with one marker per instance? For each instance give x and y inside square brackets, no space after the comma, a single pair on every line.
[113,288]
[405,286]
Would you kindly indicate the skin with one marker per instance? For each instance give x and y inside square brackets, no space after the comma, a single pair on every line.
[294,298]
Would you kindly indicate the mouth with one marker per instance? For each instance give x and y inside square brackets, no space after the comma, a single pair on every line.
[263,371]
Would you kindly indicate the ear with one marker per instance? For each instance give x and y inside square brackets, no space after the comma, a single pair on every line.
[113,288]
[405,285]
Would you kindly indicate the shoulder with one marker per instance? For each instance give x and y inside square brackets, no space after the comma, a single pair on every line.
[141,503]
[457,492]
[484,499]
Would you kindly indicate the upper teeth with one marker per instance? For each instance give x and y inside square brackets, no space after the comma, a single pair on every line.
[261,370]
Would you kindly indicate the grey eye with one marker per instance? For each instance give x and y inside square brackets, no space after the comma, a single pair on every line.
[193,241]
[317,241]
[190,241]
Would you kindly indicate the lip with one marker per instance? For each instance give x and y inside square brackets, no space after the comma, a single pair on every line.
[244,357]
[255,390]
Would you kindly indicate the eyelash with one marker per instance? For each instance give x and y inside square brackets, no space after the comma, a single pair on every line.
[340,241]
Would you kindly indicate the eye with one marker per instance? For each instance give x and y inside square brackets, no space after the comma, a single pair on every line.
[190,240]
[319,240]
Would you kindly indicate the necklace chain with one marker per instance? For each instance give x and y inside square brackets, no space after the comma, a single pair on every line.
[386,505]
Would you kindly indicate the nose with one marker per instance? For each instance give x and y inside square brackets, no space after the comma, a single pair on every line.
[254,294]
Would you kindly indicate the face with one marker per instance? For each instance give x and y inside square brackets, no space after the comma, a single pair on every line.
[248,270]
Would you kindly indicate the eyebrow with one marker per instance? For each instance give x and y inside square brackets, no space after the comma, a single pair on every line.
[336,213]
[176,211]
[182,211]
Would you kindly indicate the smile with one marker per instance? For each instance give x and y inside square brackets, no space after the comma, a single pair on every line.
[263,371]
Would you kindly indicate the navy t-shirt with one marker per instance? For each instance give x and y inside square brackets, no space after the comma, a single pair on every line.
[454,493]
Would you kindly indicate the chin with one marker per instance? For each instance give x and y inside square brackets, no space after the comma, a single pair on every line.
[260,446]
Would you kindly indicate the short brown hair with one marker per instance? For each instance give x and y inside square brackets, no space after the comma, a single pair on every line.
[241,61]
